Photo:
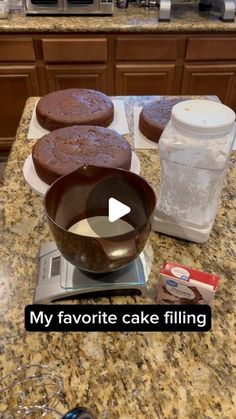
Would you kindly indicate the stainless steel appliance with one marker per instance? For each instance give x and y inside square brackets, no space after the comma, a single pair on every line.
[164,8]
[69,7]
[226,8]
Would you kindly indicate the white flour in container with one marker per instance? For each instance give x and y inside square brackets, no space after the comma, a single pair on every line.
[193,167]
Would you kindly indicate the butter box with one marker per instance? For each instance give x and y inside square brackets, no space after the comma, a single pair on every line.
[179,284]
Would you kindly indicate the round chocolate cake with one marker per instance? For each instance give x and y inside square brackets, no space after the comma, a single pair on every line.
[154,117]
[64,150]
[65,108]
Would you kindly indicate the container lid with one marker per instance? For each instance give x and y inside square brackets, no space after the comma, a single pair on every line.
[203,117]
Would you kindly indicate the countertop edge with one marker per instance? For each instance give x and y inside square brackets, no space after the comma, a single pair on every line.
[185,18]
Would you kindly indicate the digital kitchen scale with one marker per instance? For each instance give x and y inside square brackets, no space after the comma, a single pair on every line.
[58,279]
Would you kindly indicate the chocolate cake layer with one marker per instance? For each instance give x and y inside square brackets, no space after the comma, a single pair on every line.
[154,117]
[69,107]
[62,151]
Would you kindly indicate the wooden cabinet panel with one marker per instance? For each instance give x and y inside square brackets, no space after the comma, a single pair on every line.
[75,50]
[209,79]
[124,64]
[15,50]
[141,48]
[217,48]
[65,77]
[231,100]
[144,79]
[17,83]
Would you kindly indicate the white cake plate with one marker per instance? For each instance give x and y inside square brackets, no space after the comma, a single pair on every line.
[38,186]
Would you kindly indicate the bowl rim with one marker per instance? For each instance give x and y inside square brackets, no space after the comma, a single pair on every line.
[99,238]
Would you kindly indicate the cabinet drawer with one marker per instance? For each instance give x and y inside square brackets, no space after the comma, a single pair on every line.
[15,50]
[75,50]
[146,48]
[217,48]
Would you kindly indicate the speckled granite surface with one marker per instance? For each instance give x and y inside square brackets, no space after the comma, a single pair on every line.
[184,18]
[121,375]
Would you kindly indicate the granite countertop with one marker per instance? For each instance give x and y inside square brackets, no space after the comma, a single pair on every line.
[184,18]
[121,375]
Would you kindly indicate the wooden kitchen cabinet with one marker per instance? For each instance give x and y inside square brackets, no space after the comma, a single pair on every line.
[75,50]
[145,79]
[84,76]
[210,67]
[210,79]
[75,62]
[147,65]
[17,83]
[116,64]
[16,49]
[148,48]
[211,47]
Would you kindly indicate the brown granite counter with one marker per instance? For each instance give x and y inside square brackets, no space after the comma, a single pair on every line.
[184,18]
[121,375]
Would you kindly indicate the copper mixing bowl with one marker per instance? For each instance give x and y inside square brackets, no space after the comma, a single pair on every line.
[85,193]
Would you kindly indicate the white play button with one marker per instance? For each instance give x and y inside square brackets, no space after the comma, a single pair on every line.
[116,210]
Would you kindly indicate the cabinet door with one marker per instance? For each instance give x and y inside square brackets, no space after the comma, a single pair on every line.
[145,79]
[17,83]
[231,101]
[84,76]
[210,79]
